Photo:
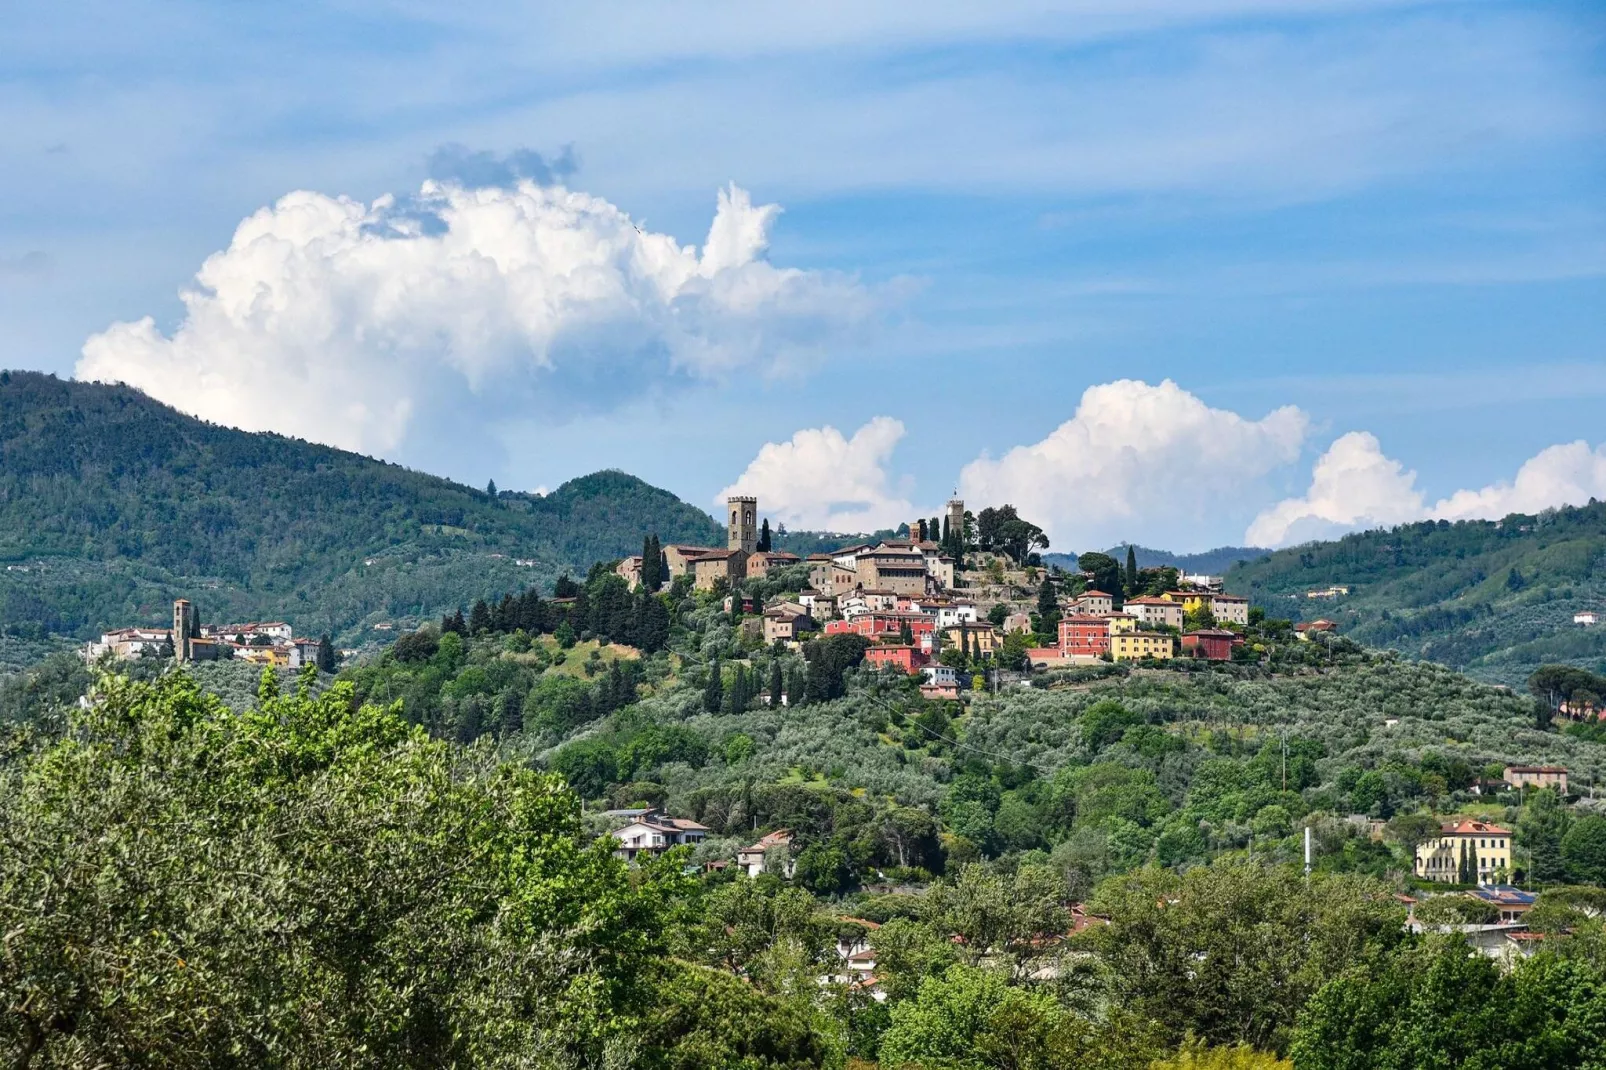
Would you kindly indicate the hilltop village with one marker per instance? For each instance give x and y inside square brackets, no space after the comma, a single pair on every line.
[267,643]
[959,591]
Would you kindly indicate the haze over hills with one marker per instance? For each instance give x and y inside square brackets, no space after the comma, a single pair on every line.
[112,504]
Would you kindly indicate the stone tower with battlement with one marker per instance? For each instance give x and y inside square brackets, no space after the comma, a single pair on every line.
[742,533]
[183,629]
[956,517]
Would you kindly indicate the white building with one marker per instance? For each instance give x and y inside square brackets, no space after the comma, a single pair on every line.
[1230,609]
[1586,618]
[1092,604]
[952,616]
[652,832]
[1152,611]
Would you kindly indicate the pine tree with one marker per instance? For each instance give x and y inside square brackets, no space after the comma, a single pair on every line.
[714,690]
[1131,569]
[775,684]
[479,618]
[459,625]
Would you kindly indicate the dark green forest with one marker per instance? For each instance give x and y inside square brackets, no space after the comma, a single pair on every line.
[1494,599]
[112,504]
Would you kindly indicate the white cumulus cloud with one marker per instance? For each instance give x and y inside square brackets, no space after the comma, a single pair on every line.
[1566,474]
[355,324]
[1137,459]
[821,480]
[1355,486]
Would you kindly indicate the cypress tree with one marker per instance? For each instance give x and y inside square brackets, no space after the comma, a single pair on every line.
[764,539]
[932,528]
[512,719]
[905,634]
[326,654]
[775,684]
[490,489]
[479,618]
[1131,569]
[459,625]
[714,690]
[947,537]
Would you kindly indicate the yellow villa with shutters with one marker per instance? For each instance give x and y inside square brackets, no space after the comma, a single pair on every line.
[1486,847]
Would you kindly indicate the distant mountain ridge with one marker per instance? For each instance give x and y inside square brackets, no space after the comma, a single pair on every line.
[1207,562]
[1495,599]
[112,504]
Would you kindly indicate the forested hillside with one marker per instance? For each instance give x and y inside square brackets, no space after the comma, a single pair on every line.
[1097,870]
[112,504]
[1493,598]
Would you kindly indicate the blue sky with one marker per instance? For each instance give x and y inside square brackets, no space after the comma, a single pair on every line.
[1388,216]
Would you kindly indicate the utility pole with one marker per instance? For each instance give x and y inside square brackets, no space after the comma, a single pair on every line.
[1285,757]
[1309,852]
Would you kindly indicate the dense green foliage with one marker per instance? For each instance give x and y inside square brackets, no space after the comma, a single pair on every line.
[1495,599]
[181,885]
[1436,1005]
[115,504]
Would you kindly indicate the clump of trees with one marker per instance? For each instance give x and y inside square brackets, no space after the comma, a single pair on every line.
[184,885]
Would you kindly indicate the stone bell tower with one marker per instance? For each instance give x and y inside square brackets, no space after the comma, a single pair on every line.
[956,517]
[183,629]
[742,534]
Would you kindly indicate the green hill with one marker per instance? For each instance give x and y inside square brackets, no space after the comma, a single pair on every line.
[112,504]
[1495,599]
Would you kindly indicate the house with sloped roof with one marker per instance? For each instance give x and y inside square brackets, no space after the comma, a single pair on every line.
[652,832]
[755,857]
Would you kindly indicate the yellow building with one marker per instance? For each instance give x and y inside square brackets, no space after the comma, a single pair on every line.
[1121,623]
[1191,600]
[1130,646]
[1486,848]
[983,639]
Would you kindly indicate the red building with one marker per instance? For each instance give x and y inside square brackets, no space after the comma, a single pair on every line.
[900,655]
[1084,635]
[1213,644]
[883,625]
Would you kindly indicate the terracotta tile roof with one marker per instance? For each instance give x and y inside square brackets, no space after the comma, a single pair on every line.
[1466,827]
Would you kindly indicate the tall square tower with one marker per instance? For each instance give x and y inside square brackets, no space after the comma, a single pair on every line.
[742,534]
